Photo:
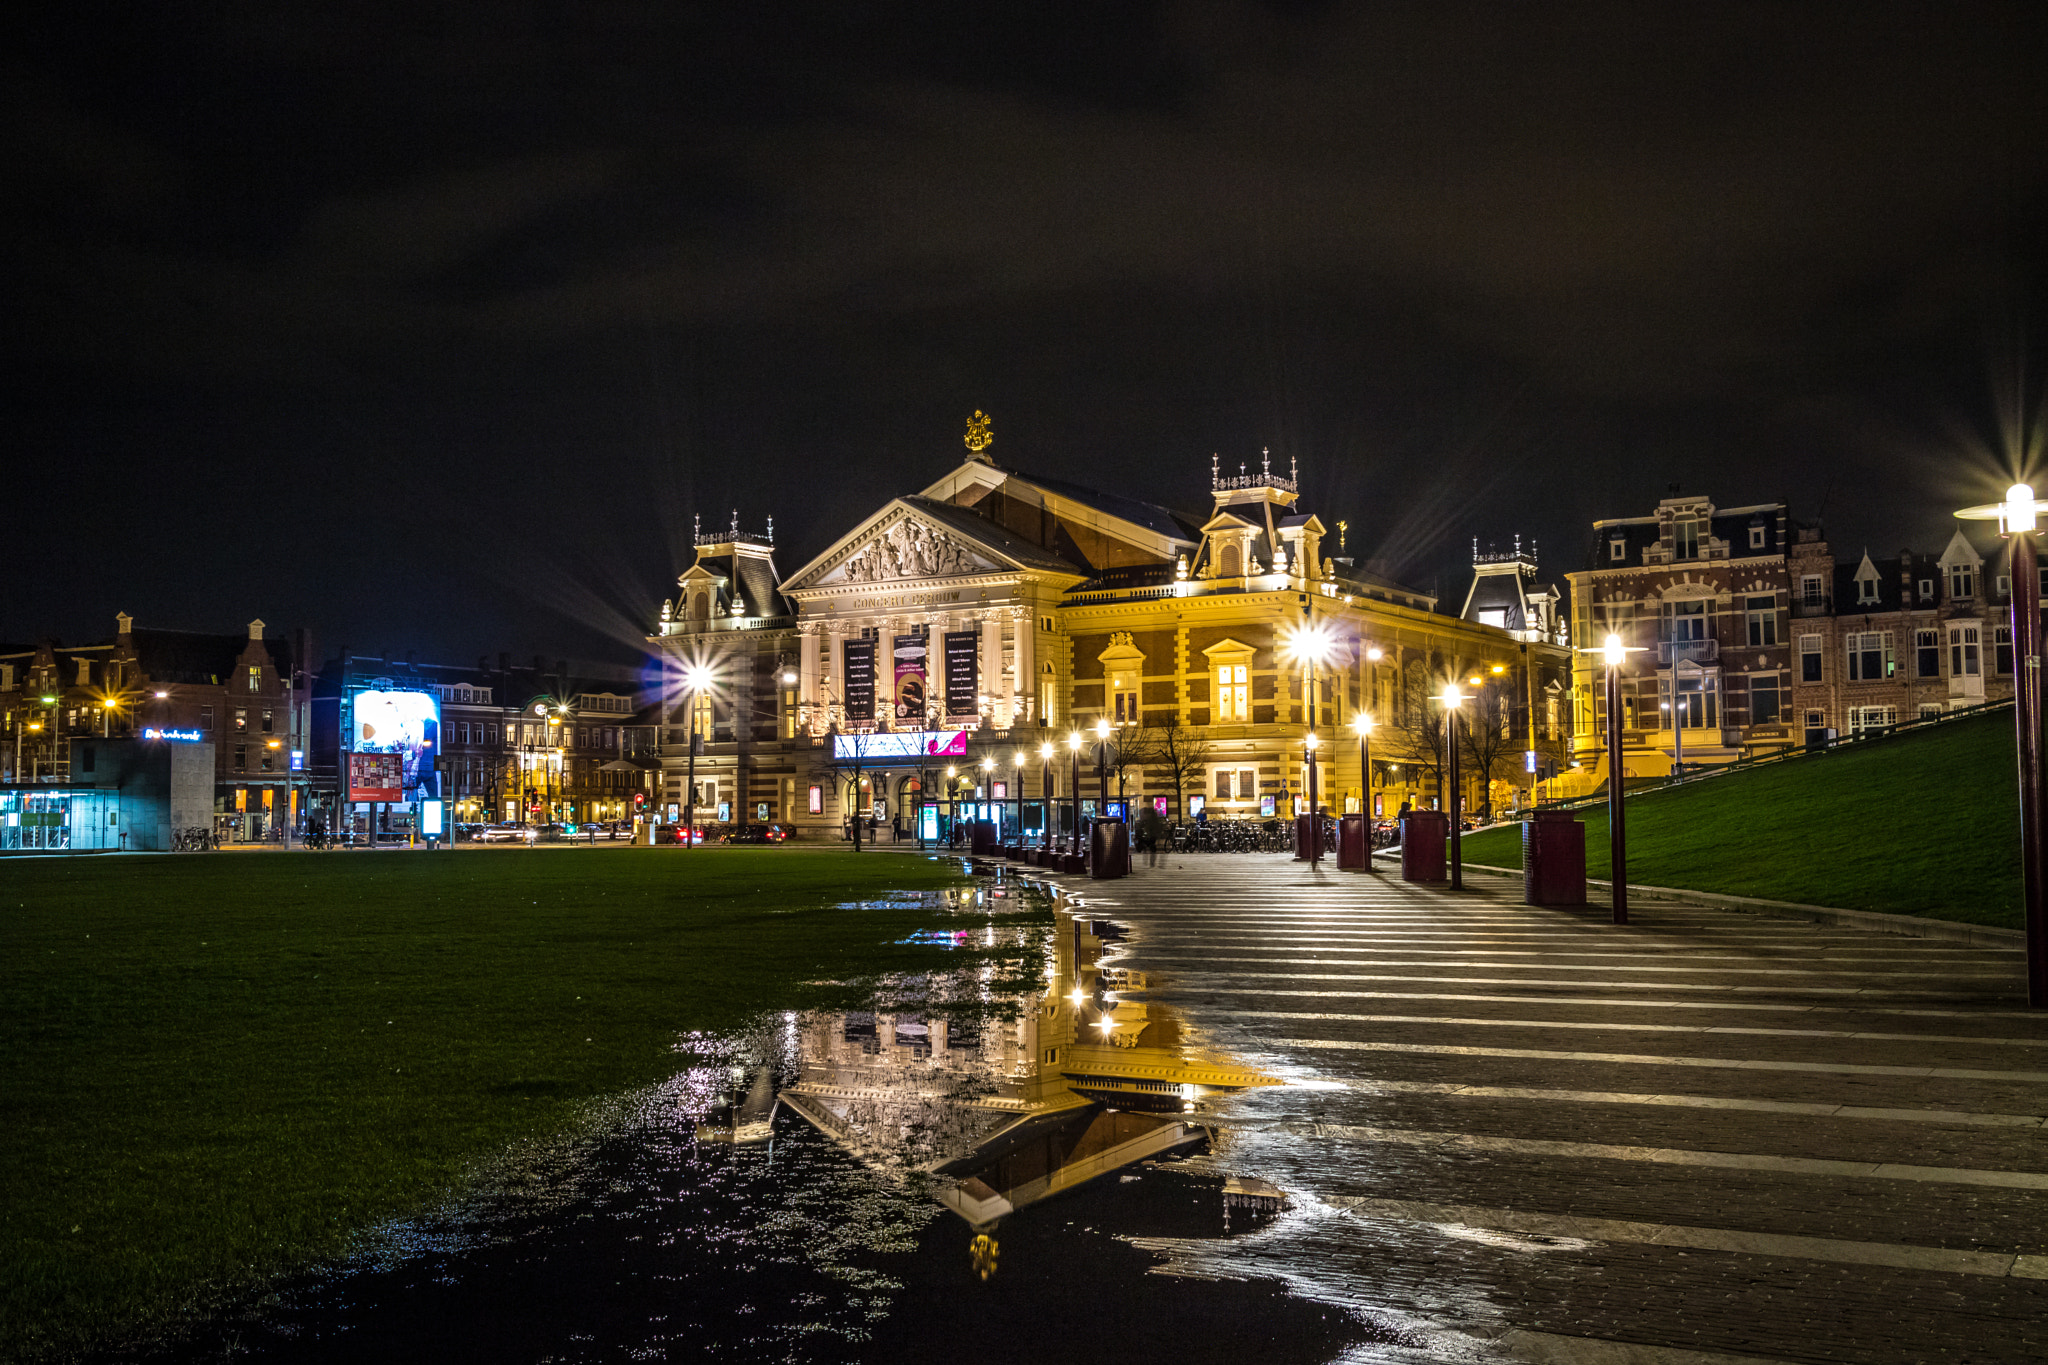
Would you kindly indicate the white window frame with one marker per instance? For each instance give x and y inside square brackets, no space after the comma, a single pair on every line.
[1756,538]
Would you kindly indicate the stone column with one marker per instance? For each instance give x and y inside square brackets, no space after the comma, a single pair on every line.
[1025,629]
[992,679]
[835,672]
[807,675]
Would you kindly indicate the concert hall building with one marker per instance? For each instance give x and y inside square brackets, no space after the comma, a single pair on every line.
[994,613]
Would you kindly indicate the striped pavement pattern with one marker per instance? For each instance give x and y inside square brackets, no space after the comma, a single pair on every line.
[1521,1133]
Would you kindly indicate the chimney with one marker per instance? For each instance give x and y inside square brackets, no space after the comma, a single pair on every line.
[504,662]
[124,624]
[540,665]
[483,663]
[256,629]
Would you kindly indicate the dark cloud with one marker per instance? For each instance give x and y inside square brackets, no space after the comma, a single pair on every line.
[567,273]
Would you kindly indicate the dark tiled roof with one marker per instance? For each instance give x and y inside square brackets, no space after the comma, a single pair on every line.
[189,657]
[1151,516]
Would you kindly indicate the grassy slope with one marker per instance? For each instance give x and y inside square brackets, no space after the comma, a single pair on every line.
[218,1067]
[1924,824]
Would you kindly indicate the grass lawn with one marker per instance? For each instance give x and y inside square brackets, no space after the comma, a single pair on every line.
[1921,824]
[220,1067]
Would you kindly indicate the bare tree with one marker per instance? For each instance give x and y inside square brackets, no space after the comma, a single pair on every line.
[1181,750]
[1486,738]
[1416,728]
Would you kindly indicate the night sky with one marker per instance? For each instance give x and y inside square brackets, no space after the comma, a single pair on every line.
[429,326]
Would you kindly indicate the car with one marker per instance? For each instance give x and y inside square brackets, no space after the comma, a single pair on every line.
[506,834]
[674,834]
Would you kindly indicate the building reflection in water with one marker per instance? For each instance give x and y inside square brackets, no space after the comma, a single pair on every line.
[1003,1114]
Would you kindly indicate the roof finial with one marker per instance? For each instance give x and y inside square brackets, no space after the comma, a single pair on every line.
[1293,470]
[735,523]
[1215,474]
[980,433]
[1266,463]
[771,530]
[696,526]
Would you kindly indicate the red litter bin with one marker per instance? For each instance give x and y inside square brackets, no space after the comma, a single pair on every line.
[983,836]
[1353,851]
[1301,837]
[1109,854]
[1553,859]
[1423,835]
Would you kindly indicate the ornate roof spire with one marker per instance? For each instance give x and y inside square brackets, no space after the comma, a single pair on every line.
[1266,462]
[735,523]
[1293,470]
[771,530]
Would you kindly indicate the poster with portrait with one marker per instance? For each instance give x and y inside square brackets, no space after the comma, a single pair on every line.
[911,677]
[407,724]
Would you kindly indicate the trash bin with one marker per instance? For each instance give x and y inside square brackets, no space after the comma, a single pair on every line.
[1353,848]
[1423,833]
[1109,853]
[1553,859]
[983,838]
[1302,835]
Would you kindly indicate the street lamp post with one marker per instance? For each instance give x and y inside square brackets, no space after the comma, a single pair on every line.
[2018,518]
[1074,788]
[1314,646]
[1045,791]
[1362,723]
[1102,767]
[696,678]
[1617,835]
[1452,697]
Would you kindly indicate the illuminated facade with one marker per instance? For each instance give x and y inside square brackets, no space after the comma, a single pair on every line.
[1027,609]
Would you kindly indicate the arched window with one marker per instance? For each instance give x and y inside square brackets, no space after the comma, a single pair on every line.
[700,606]
[1232,563]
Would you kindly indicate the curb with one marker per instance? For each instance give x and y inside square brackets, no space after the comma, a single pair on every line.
[1912,926]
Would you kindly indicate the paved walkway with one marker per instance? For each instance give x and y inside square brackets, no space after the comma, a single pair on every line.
[1531,1134]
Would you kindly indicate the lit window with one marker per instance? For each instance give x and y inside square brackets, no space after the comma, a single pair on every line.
[1231,693]
[255,679]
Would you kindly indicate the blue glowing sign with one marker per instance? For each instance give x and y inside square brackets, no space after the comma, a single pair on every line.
[180,736]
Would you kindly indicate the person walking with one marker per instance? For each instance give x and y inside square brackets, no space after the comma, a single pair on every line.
[1151,826]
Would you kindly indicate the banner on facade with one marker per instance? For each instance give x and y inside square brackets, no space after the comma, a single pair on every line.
[860,679]
[376,777]
[898,746]
[963,659]
[911,676]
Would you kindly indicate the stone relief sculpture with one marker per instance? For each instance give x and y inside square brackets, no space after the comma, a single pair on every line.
[909,549]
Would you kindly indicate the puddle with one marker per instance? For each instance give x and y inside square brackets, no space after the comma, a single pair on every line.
[952,1171]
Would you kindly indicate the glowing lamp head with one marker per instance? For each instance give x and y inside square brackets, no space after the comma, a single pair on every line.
[1452,696]
[1614,651]
[1500,668]
[1362,723]
[789,677]
[696,677]
[1313,741]
[988,765]
[1045,750]
[1074,740]
[2019,512]
[952,772]
[1375,654]
[161,695]
[1102,728]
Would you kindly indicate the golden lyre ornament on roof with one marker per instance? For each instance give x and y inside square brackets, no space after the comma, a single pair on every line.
[980,432]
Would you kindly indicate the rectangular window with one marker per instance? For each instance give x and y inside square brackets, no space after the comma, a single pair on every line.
[255,679]
[1232,690]
[1764,701]
[1863,718]
[1930,710]
[1763,620]
[1870,656]
[1756,537]
[1926,590]
[264,759]
[1617,550]
[1223,784]
[269,724]
[1247,784]
[1810,594]
[1927,653]
[1685,539]
[2004,586]
[1963,660]
[1866,591]
[241,758]
[1962,582]
[1809,658]
[241,719]
[1688,621]
[2001,650]
[206,718]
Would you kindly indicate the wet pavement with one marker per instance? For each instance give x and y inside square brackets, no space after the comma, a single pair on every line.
[1266,1112]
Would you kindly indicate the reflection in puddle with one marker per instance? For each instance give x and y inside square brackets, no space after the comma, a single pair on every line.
[999,1116]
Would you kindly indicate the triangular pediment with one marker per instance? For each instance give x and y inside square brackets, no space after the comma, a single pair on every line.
[1959,552]
[897,545]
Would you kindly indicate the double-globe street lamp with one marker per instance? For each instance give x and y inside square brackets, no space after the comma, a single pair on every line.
[2018,518]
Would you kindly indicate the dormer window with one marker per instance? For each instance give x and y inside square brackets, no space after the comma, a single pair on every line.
[1926,590]
[1685,539]
[1962,582]
[1866,591]
[1617,549]
[1756,538]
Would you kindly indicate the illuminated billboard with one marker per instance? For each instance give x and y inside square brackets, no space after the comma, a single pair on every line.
[376,777]
[897,746]
[407,724]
